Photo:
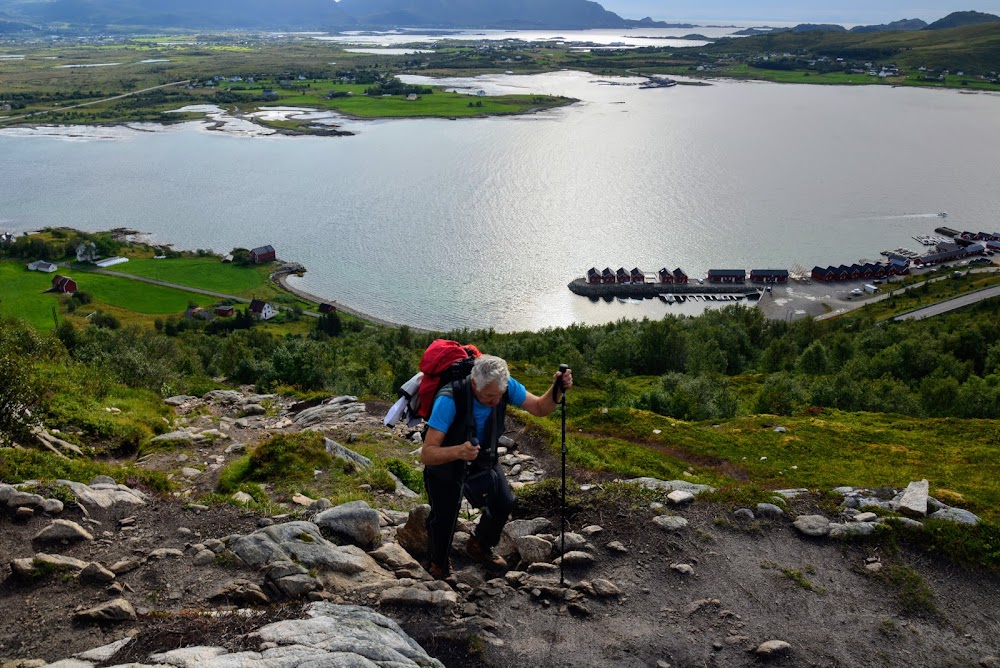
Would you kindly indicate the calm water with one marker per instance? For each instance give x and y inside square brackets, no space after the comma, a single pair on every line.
[443,224]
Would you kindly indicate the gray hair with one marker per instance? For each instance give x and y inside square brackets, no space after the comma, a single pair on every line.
[490,370]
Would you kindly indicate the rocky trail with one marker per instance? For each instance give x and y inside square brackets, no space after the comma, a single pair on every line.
[96,573]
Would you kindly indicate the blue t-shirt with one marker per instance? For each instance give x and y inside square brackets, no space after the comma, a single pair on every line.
[443,412]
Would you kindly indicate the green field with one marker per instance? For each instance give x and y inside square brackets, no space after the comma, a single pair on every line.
[207,273]
[21,294]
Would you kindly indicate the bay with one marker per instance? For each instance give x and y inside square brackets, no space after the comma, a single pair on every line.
[482,223]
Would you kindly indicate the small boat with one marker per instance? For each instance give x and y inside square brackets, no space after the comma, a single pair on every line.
[942,215]
[670,299]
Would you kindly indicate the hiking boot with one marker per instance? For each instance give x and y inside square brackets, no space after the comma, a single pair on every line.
[490,560]
[439,572]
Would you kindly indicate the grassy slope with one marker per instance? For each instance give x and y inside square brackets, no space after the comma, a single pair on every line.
[827,450]
[22,294]
[197,272]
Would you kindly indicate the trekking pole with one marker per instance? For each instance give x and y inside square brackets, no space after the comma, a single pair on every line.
[562,528]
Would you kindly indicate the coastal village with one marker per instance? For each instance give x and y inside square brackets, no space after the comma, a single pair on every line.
[962,248]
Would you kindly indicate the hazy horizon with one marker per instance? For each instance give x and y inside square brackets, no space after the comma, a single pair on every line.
[846,11]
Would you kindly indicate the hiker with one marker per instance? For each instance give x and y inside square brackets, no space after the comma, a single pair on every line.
[459,451]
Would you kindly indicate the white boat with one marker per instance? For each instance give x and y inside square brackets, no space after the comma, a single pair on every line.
[942,215]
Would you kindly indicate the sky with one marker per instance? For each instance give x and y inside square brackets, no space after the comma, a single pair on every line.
[803,11]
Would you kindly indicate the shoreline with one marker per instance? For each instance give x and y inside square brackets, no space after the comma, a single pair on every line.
[282,281]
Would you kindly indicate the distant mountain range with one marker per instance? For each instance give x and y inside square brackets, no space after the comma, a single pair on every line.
[313,14]
[953,20]
[121,15]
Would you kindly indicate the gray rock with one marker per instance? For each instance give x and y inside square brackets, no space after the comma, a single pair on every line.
[914,500]
[683,569]
[61,530]
[179,400]
[18,499]
[23,514]
[104,495]
[671,485]
[533,549]
[395,557]
[865,517]
[241,592]
[94,572]
[517,528]
[417,596]
[356,522]
[102,480]
[772,649]
[254,409]
[126,565]
[330,413]
[780,430]
[591,531]
[743,514]
[575,560]
[320,505]
[223,396]
[791,493]
[604,588]
[955,515]
[617,546]
[337,450]
[204,558]
[166,553]
[769,510]
[58,562]
[904,522]
[812,525]
[235,447]
[303,543]
[412,536]
[118,610]
[241,497]
[106,652]
[670,522]
[678,497]
[189,472]
[852,529]
[183,435]
[283,569]
[296,586]
[52,506]
[401,489]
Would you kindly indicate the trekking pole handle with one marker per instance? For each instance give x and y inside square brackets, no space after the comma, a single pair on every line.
[563,368]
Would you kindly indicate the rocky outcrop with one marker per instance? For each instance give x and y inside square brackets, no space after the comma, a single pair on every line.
[355,522]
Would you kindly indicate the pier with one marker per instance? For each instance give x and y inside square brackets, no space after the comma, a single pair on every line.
[580,286]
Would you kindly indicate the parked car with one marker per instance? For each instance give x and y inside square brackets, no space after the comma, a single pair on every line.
[857,292]
[980,260]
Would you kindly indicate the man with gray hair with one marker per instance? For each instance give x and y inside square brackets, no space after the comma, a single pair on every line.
[460,457]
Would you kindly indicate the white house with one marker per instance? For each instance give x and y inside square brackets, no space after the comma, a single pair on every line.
[41,265]
[261,310]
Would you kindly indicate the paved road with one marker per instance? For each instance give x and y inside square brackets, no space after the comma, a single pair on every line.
[951,304]
[176,286]
[86,104]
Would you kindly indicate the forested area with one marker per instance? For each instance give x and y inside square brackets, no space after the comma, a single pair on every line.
[722,364]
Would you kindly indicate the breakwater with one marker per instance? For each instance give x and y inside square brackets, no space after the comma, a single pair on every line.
[580,286]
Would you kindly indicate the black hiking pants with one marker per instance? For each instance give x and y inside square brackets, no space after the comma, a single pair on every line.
[444,489]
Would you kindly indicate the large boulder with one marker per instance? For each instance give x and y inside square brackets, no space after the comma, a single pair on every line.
[118,610]
[104,495]
[355,522]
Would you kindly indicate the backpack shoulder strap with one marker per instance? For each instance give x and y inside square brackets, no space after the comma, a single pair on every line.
[460,392]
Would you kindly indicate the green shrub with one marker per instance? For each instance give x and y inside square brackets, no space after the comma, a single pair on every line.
[284,459]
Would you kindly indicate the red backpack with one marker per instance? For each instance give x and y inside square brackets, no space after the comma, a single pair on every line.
[443,362]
